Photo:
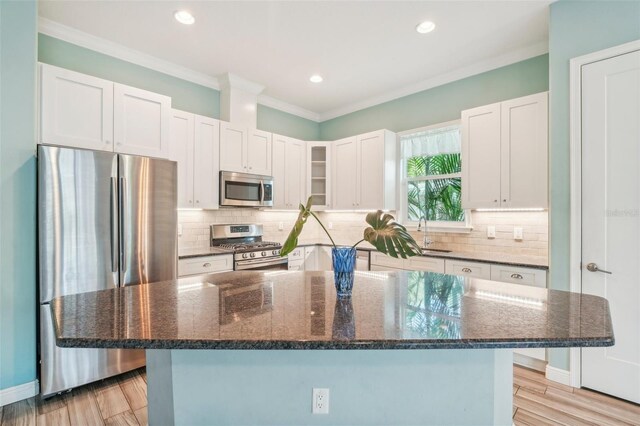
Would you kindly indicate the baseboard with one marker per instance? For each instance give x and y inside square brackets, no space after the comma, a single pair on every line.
[18,393]
[529,362]
[558,375]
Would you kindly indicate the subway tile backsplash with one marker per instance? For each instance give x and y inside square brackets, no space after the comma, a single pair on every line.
[347,228]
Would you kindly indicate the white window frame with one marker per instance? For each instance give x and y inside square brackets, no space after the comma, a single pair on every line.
[432,226]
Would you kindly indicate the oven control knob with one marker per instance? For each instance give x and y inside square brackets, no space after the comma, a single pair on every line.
[264,253]
[245,255]
[253,255]
[276,252]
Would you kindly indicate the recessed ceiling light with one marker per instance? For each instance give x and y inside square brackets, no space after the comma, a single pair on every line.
[425,27]
[315,78]
[184,17]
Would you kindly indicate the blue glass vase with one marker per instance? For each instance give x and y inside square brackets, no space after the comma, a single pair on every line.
[344,263]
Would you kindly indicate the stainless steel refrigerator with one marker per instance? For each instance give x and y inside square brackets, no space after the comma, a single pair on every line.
[105,220]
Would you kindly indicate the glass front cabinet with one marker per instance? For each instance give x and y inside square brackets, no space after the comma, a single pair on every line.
[319,174]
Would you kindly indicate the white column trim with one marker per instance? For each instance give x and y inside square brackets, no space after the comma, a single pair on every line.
[575,163]
[18,393]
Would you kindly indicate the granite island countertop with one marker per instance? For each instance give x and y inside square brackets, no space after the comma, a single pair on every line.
[299,310]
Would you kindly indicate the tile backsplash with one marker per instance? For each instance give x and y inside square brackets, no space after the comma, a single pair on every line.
[347,228]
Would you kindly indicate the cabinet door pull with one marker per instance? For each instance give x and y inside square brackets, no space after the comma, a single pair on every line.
[206,265]
[517,276]
[466,270]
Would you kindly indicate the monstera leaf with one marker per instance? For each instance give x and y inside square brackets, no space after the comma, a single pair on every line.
[292,240]
[389,237]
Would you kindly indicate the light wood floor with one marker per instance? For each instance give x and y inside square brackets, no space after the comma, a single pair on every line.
[123,401]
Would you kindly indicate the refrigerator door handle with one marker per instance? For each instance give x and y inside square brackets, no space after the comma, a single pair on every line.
[123,224]
[114,225]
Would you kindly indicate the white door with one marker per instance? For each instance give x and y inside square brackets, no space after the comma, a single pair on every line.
[610,219]
[141,122]
[481,157]
[75,109]
[233,144]
[279,172]
[182,153]
[345,173]
[206,170]
[259,152]
[370,185]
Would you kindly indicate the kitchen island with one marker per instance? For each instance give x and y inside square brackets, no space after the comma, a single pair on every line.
[407,348]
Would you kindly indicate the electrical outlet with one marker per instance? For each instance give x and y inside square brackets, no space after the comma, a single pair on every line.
[330,225]
[179,230]
[491,231]
[280,226]
[517,233]
[320,401]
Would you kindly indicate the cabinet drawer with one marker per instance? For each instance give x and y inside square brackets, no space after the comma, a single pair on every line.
[205,265]
[382,259]
[297,254]
[512,274]
[468,269]
[418,263]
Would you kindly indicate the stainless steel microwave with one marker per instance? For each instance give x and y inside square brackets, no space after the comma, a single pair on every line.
[245,190]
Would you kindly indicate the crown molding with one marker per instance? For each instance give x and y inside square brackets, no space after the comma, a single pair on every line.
[98,44]
[232,81]
[448,77]
[288,108]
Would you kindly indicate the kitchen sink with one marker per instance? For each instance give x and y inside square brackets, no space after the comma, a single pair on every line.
[428,250]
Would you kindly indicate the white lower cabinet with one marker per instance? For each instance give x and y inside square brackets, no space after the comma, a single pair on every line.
[516,275]
[468,269]
[296,259]
[205,265]
[310,259]
[324,258]
[430,264]
[381,259]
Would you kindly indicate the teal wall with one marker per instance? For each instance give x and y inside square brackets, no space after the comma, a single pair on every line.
[282,123]
[444,103]
[17,193]
[185,95]
[575,28]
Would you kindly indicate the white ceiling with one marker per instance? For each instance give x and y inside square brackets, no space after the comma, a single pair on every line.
[364,50]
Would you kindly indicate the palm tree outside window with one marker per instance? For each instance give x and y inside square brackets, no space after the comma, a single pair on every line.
[432,176]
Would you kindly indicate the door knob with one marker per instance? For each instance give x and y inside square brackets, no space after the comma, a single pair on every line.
[592,267]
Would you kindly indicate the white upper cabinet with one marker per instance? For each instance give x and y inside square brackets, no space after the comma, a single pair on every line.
[319,174]
[81,111]
[141,122]
[206,176]
[289,172]
[345,173]
[182,144]
[259,152]
[504,154]
[364,171]
[195,142]
[75,109]
[245,150]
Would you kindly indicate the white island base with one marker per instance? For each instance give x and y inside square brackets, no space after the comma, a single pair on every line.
[367,387]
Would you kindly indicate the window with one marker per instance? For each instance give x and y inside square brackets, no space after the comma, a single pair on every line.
[432,177]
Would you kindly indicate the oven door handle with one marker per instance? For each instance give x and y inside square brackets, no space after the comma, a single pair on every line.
[252,264]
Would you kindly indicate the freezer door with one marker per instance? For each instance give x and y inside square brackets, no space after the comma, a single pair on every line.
[148,220]
[66,368]
[77,221]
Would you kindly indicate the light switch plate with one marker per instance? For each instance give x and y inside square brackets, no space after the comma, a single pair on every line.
[491,231]
[179,230]
[517,233]
[280,226]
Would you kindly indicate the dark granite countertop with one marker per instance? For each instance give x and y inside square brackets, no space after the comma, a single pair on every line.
[202,251]
[299,310]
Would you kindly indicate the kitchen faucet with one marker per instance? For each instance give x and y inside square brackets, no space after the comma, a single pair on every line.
[425,239]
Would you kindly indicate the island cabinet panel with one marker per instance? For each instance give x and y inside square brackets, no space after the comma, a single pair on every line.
[141,122]
[364,171]
[76,110]
[468,269]
[289,172]
[504,154]
[205,265]
[195,143]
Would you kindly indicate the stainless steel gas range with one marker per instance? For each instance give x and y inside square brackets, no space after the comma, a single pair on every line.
[250,252]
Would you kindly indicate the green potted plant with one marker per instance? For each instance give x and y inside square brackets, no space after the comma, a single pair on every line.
[383,232]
